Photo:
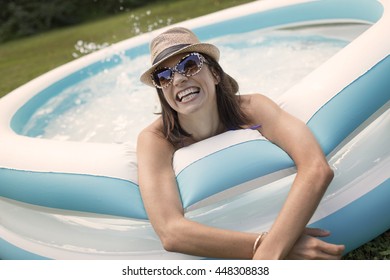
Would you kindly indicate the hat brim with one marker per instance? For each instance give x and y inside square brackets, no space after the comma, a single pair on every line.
[204,48]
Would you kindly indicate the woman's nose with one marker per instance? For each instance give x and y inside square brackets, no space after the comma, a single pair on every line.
[178,78]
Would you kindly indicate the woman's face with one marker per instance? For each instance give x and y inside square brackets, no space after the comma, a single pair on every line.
[187,95]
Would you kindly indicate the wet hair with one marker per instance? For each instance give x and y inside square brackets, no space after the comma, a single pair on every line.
[228,104]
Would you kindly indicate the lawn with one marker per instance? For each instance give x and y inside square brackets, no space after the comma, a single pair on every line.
[24,59]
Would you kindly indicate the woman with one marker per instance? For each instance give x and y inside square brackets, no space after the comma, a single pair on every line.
[198,101]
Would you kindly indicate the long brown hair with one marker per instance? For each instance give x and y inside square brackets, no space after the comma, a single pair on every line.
[229,108]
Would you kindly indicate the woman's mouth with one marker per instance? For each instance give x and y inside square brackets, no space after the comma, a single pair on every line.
[187,94]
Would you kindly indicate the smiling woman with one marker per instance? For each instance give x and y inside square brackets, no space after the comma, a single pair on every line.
[213,110]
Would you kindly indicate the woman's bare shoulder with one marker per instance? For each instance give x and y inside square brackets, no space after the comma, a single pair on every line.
[257,106]
[248,100]
[155,128]
[152,138]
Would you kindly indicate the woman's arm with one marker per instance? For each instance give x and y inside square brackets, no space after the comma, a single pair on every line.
[312,179]
[162,202]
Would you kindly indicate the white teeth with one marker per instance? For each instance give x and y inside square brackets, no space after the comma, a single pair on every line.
[188,97]
[185,92]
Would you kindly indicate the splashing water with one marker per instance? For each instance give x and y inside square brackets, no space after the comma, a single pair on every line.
[83,47]
[113,106]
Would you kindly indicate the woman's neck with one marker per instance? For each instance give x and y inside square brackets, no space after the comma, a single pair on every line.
[202,126]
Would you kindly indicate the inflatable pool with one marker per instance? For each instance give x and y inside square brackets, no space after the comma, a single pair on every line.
[80,200]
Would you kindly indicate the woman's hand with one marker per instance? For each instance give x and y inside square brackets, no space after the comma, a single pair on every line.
[309,247]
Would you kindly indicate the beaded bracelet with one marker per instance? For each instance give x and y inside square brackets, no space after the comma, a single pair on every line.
[258,241]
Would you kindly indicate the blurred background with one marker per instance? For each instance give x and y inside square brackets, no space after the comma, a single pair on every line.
[21,18]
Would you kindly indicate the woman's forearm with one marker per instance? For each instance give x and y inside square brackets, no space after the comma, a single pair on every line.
[189,237]
[303,199]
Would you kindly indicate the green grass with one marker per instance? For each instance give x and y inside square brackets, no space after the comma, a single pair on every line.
[377,249]
[27,58]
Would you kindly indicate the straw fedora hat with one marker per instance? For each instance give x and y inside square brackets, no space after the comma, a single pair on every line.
[175,41]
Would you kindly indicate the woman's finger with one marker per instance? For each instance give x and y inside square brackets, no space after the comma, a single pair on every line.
[317,232]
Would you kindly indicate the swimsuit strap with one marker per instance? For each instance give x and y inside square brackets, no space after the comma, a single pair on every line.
[253,127]
[256,126]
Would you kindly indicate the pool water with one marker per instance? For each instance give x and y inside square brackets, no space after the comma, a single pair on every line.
[113,106]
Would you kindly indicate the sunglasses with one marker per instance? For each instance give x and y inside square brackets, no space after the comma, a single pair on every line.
[188,66]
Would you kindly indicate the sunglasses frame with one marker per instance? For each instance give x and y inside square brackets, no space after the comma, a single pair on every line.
[174,69]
